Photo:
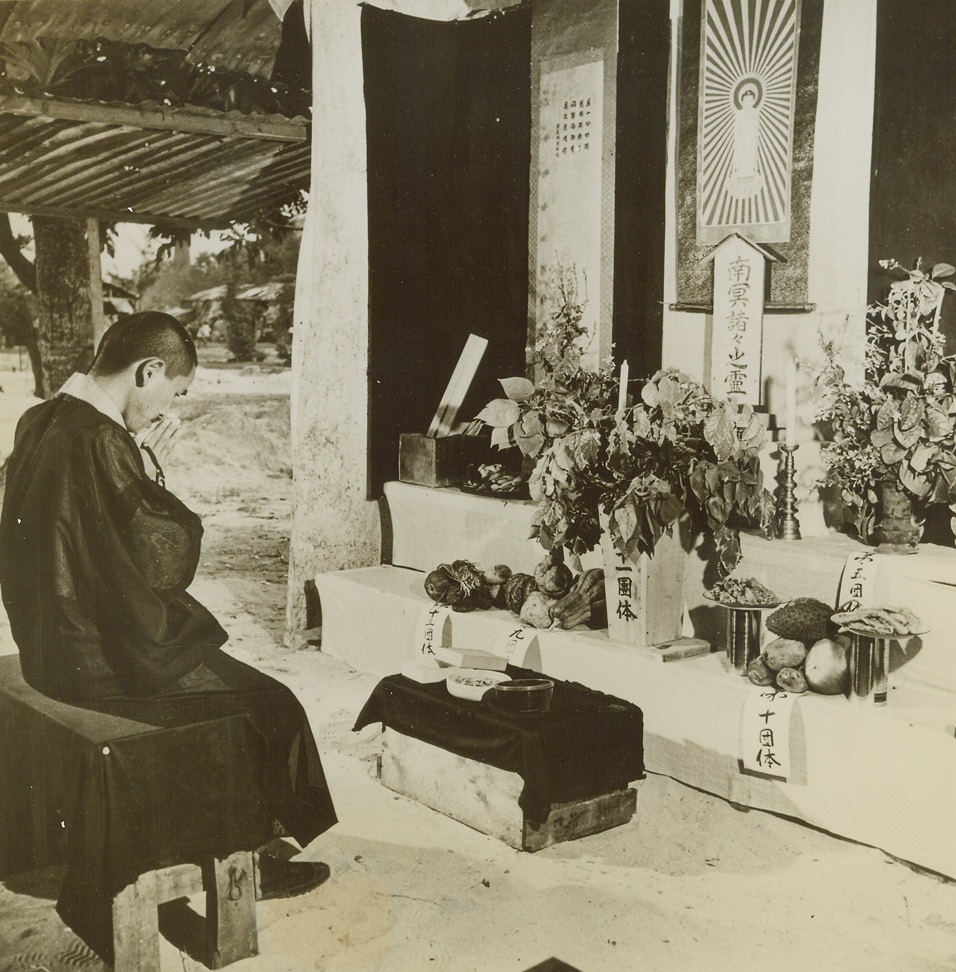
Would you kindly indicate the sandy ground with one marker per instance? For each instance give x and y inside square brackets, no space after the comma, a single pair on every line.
[690,883]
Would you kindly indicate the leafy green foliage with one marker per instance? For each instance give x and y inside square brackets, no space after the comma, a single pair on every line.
[676,451]
[900,422]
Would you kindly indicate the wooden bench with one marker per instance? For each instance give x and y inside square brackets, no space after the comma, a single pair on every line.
[127,804]
[230,924]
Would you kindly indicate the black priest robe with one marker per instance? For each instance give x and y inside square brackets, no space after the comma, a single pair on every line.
[95,561]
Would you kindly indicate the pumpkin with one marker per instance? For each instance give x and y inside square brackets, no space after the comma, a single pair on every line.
[584,603]
[516,590]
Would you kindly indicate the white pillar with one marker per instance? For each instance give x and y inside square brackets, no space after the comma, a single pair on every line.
[334,525]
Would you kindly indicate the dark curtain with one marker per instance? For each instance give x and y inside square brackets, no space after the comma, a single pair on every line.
[913,186]
[448,129]
[293,62]
[640,173]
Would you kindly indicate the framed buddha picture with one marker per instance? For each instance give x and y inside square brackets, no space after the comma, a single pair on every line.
[746,113]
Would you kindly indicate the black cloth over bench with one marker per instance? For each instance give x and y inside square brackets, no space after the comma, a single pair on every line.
[132,785]
[589,743]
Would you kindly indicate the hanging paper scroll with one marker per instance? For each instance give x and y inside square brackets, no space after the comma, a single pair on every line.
[787,284]
[570,185]
[748,73]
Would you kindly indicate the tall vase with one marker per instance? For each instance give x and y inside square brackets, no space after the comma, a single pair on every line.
[645,595]
[896,530]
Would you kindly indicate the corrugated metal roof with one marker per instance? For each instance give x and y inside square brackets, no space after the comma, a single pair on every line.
[147,164]
[242,35]
[213,293]
[195,168]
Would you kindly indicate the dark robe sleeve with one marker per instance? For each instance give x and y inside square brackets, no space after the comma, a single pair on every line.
[147,546]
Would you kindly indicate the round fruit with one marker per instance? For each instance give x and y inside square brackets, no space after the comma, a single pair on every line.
[536,610]
[784,653]
[758,673]
[826,665]
[791,680]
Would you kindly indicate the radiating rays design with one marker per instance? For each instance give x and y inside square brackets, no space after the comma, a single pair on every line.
[748,69]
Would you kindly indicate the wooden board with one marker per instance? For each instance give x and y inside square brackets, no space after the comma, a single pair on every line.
[230,922]
[486,798]
[675,650]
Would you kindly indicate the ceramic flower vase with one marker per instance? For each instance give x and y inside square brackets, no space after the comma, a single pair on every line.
[896,531]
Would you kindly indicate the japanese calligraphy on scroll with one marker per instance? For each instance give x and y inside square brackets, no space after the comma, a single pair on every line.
[765,744]
[569,184]
[747,95]
[858,582]
[737,340]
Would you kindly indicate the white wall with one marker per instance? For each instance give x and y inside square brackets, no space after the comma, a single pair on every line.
[334,526]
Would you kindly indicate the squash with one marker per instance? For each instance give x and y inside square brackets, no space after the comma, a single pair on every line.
[536,610]
[516,590]
[553,576]
[584,603]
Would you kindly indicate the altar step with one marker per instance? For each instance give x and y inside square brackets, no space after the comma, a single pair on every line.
[884,776]
[432,526]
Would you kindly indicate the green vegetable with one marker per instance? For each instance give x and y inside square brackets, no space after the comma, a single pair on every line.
[804,619]
[516,590]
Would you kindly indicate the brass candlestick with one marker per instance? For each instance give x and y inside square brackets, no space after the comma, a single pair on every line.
[788,526]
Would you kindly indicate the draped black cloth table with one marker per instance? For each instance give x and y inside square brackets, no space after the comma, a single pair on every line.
[589,743]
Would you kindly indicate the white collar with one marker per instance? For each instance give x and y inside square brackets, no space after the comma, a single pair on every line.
[86,390]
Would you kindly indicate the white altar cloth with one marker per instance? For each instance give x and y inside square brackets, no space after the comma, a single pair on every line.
[434,526]
[884,776]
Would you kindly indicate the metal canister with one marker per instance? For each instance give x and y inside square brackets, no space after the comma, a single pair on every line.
[868,659]
[743,636]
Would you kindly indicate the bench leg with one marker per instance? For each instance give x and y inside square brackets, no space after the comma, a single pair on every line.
[231,932]
[136,928]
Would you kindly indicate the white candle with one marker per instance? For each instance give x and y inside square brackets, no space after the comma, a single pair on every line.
[622,390]
[791,414]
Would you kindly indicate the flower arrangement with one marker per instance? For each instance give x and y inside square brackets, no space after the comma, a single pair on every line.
[899,423]
[676,450]
[533,413]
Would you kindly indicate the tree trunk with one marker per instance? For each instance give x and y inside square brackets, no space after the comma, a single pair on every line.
[65,318]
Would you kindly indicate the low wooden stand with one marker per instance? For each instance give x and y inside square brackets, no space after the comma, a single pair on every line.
[231,932]
[486,798]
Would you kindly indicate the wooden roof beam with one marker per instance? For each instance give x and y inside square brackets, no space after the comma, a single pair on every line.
[267,127]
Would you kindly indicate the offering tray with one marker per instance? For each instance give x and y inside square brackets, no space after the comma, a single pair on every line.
[482,489]
[865,632]
[735,606]
[744,630]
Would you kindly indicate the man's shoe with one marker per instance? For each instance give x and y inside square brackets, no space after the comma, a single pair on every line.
[285,879]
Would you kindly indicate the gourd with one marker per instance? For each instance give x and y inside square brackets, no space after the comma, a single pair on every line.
[516,590]
[584,602]
[496,578]
[536,610]
[552,575]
